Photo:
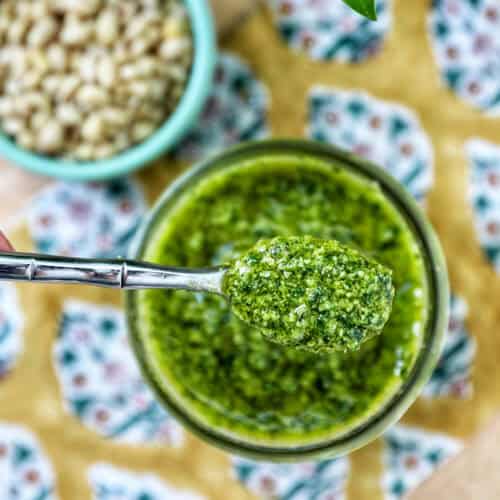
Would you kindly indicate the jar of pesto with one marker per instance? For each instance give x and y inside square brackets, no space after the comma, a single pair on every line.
[223,379]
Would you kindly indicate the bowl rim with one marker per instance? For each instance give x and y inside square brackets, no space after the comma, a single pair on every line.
[168,134]
[436,271]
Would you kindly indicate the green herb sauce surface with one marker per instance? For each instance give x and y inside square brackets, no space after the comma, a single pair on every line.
[224,373]
[310,293]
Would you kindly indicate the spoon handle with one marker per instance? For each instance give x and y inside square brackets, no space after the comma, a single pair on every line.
[119,273]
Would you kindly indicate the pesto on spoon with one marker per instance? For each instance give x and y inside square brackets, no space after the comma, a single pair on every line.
[309,293]
[314,294]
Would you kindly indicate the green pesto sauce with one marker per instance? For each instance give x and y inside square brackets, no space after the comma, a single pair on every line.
[226,374]
[310,293]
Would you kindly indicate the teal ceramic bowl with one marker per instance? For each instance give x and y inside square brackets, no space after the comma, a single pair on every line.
[176,126]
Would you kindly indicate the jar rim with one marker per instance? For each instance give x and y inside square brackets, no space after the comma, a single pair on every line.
[437,282]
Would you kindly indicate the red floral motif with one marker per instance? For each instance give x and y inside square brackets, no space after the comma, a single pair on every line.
[79,380]
[286,8]
[267,484]
[493,228]
[411,462]
[494,179]
[32,476]
[375,122]
[102,416]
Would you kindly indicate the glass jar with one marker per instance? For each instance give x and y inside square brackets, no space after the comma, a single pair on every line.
[436,315]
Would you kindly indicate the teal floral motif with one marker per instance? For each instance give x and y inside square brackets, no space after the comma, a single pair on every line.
[323,480]
[11,324]
[452,376]
[466,46]
[109,483]
[329,29]
[411,456]
[86,220]
[484,165]
[235,111]
[101,382]
[386,133]
[25,472]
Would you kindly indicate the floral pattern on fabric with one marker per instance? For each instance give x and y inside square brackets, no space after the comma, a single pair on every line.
[235,111]
[411,456]
[329,29]
[452,376]
[11,324]
[100,379]
[484,165]
[323,480]
[466,46]
[86,220]
[25,472]
[109,483]
[388,134]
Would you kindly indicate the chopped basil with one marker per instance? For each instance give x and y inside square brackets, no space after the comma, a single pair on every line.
[224,372]
[314,294]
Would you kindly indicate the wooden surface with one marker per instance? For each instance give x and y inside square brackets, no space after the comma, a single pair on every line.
[472,475]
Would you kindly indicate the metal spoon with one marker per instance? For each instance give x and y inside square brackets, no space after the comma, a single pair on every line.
[116,273]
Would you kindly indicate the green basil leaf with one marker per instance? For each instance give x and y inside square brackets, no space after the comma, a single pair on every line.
[365,7]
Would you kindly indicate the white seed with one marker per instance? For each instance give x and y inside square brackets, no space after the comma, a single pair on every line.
[50,137]
[107,26]
[128,72]
[84,152]
[92,128]
[13,87]
[120,53]
[75,31]
[57,57]
[68,86]
[106,72]
[12,125]
[26,103]
[31,80]
[52,83]
[83,7]
[39,120]
[146,66]
[17,30]
[7,106]
[115,117]
[38,101]
[26,139]
[141,130]
[91,96]
[38,61]
[87,69]
[68,114]
[139,88]
[136,27]
[104,151]
[175,72]
[40,9]
[42,31]
[122,141]
[157,88]
[173,27]
[23,9]
[174,48]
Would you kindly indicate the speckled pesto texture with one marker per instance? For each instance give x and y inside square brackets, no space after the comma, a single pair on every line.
[226,374]
[310,293]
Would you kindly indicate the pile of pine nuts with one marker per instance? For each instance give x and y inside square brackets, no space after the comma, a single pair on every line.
[86,79]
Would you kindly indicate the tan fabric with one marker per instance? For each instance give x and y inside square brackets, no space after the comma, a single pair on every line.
[31,395]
